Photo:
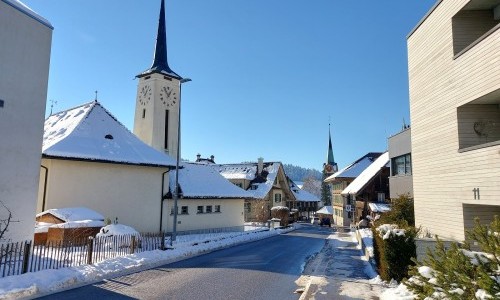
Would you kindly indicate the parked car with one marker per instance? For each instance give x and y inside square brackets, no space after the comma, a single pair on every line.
[315,221]
[326,222]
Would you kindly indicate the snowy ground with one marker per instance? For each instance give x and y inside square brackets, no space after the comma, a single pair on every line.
[46,282]
[341,271]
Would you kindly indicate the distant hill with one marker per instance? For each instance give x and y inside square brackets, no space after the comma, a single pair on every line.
[297,173]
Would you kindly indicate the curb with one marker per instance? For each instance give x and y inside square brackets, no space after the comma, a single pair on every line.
[305,294]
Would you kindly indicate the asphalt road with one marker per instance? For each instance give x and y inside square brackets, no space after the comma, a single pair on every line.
[265,269]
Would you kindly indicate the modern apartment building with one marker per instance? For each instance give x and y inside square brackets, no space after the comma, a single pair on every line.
[25,44]
[454,80]
[401,179]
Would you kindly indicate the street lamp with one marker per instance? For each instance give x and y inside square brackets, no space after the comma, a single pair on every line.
[176,190]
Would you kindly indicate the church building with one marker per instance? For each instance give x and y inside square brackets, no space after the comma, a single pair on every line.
[90,159]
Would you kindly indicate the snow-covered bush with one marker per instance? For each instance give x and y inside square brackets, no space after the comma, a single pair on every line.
[458,272]
[394,249]
[281,212]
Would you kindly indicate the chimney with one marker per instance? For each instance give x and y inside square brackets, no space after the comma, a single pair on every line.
[198,157]
[212,158]
[260,165]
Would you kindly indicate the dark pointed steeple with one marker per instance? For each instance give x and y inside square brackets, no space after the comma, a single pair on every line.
[330,165]
[160,62]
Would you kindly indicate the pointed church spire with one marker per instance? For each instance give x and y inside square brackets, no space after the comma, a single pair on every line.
[160,62]
[329,159]
[330,165]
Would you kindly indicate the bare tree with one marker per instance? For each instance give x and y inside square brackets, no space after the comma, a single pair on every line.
[261,210]
[312,185]
[5,221]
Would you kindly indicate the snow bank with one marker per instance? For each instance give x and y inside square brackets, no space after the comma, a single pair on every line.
[31,285]
[388,230]
[117,229]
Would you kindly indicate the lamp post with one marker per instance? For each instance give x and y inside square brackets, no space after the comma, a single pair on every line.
[176,190]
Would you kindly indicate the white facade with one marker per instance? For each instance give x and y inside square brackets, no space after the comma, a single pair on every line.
[131,193]
[230,214]
[25,40]
[454,73]
[156,120]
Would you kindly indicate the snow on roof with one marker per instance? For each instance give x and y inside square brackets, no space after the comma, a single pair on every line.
[72,214]
[90,132]
[366,176]
[379,207]
[326,210]
[302,195]
[238,171]
[78,224]
[28,11]
[356,168]
[248,171]
[204,181]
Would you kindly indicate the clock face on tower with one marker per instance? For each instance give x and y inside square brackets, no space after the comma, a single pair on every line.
[167,96]
[145,94]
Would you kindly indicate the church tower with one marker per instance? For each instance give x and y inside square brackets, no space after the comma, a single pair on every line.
[156,120]
[330,166]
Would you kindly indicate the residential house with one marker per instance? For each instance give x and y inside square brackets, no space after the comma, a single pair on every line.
[24,72]
[343,207]
[400,180]
[454,82]
[266,181]
[371,186]
[307,203]
[207,200]
[90,159]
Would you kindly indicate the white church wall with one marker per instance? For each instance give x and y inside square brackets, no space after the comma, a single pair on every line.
[130,193]
[25,41]
[230,215]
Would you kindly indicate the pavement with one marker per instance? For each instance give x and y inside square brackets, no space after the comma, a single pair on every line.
[339,271]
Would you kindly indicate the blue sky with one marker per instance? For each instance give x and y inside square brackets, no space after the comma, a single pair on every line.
[267,75]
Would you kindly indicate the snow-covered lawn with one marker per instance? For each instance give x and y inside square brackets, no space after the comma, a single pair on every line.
[46,282]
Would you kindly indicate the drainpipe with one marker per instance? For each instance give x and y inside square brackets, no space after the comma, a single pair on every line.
[44,186]
[161,201]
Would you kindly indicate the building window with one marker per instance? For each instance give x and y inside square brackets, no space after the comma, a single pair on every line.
[217,208]
[277,197]
[143,113]
[184,210]
[200,209]
[479,122]
[401,165]
[238,184]
[248,207]
[209,209]
[253,187]
[474,22]
[381,197]
[166,129]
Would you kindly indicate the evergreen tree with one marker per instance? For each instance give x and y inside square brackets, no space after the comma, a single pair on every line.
[326,195]
[457,272]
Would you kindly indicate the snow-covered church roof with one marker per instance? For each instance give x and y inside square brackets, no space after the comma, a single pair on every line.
[260,185]
[90,132]
[204,181]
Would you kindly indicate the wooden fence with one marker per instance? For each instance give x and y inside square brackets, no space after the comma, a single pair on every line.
[22,257]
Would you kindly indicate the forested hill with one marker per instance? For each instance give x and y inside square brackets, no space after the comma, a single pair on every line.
[297,173]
